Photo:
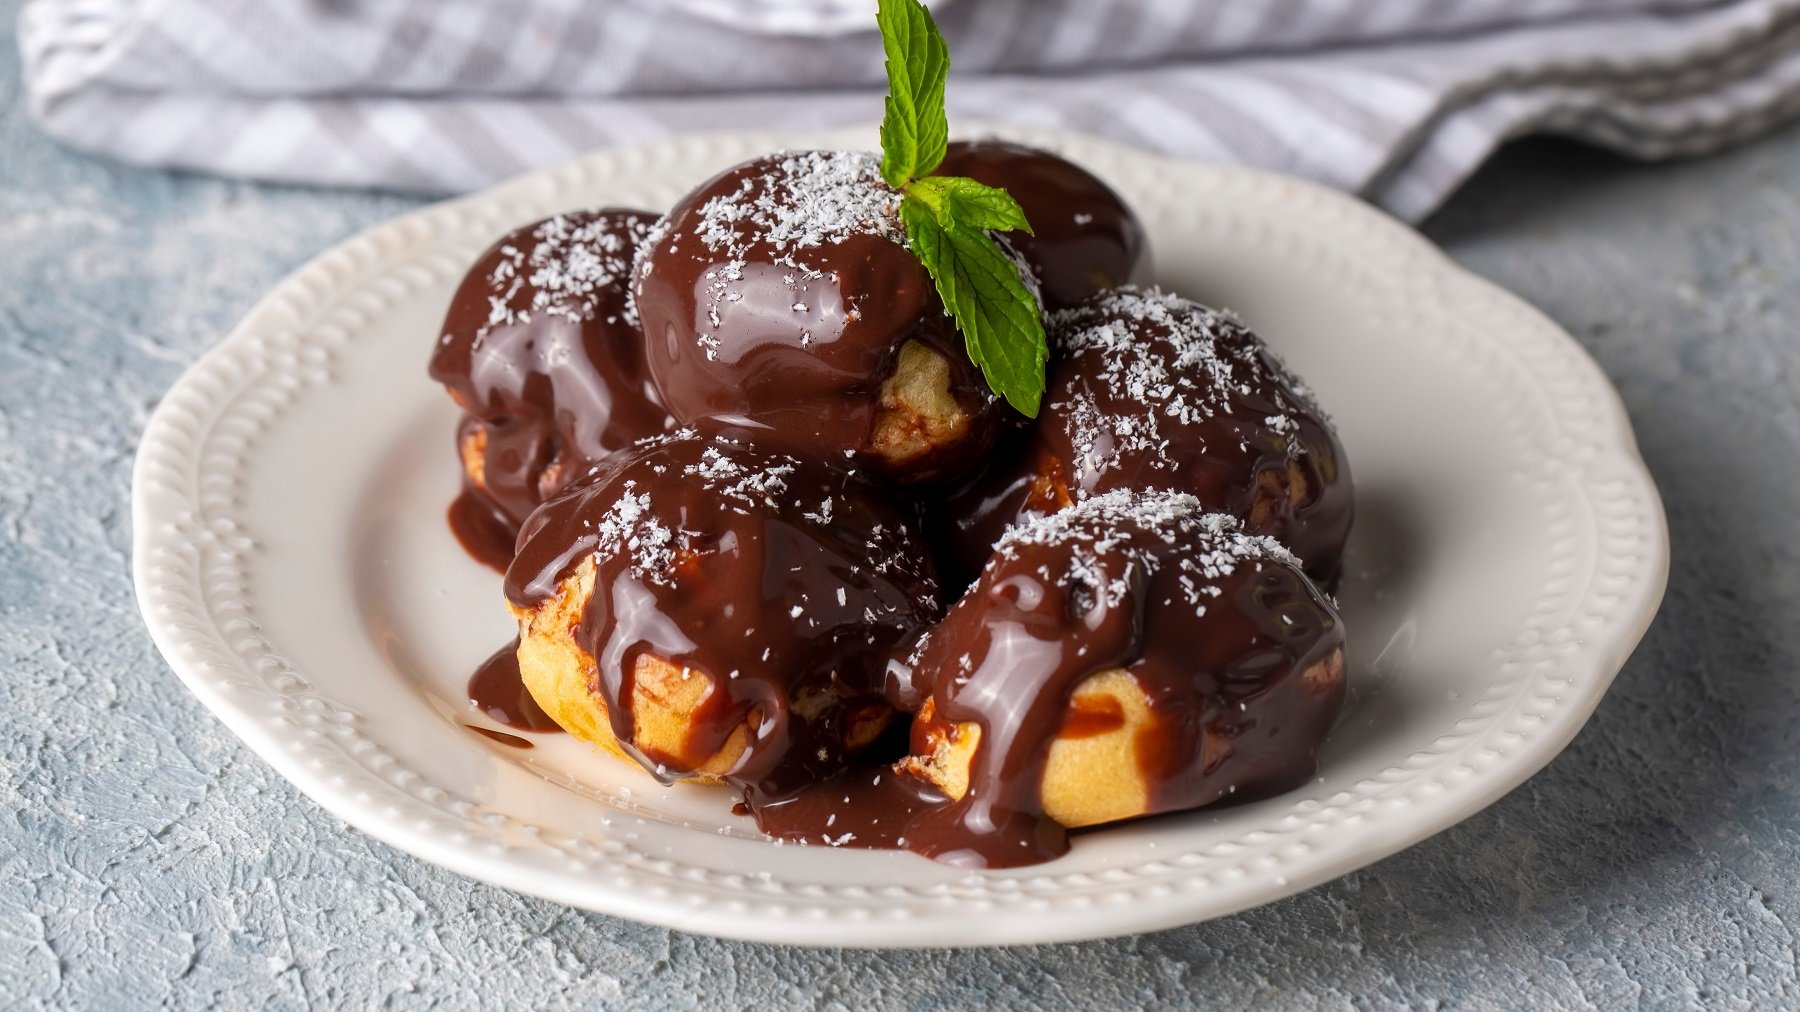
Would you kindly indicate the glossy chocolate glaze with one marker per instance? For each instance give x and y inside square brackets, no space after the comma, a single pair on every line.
[784,582]
[496,690]
[746,549]
[541,348]
[1217,628]
[1084,238]
[1149,390]
[502,737]
[1214,626]
[868,809]
[481,527]
[781,292]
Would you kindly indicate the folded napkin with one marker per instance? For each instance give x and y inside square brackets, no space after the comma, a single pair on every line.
[1396,101]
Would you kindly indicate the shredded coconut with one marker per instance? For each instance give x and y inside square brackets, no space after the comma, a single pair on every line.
[1175,363]
[751,481]
[1117,539]
[731,478]
[806,199]
[783,207]
[572,267]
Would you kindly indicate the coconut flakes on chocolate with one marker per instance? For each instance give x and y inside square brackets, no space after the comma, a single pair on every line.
[795,591]
[1206,369]
[1213,634]
[572,265]
[817,197]
[1206,546]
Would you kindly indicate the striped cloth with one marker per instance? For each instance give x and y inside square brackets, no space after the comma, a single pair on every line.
[1396,101]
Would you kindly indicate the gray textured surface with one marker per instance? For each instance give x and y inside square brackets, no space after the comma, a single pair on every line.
[147,858]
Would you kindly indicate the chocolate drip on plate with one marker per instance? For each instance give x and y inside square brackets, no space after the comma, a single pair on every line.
[1236,654]
[496,690]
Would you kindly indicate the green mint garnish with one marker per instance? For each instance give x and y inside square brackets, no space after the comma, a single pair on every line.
[914,129]
[998,316]
[959,202]
[947,218]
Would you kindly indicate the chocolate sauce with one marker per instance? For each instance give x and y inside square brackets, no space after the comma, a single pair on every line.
[1216,628]
[1153,391]
[497,690]
[781,292]
[747,549]
[541,347]
[867,808]
[501,736]
[1084,238]
[1093,716]
[484,532]
[784,582]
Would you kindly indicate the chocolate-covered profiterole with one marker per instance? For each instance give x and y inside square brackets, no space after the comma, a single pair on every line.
[1150,390]
[540,346]
[714,609]
[1083,238]
[1127,656]
[781,292]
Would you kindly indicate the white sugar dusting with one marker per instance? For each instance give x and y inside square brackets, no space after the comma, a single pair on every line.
[628,528]
[798,201]
[756,487]
[1116,539]
[1175,363]
[568,269]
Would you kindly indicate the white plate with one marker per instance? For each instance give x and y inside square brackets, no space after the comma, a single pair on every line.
[293,564]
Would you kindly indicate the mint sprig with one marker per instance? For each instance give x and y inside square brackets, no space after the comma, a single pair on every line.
[998,316]
[959,202]
[947,218]
[914,129]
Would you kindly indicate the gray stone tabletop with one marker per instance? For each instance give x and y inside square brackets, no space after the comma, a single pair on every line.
[149,859]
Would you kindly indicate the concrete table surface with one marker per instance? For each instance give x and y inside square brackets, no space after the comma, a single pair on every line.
[147,858]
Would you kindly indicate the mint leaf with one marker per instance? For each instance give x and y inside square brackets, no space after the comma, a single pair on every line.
[914,130]
[1001,323]
[948,217]
[964,203]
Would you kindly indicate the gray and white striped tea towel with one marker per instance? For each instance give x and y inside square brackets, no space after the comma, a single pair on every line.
[1397,101]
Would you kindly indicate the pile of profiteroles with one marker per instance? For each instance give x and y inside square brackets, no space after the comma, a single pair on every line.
[763,524]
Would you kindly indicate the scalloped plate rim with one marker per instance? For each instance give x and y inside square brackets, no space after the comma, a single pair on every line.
[270,741]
